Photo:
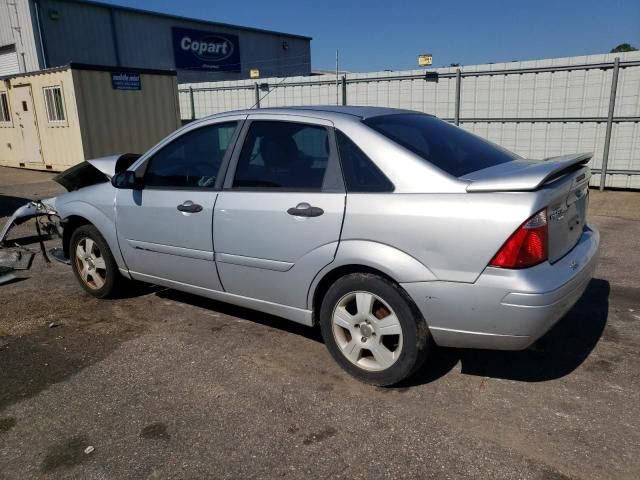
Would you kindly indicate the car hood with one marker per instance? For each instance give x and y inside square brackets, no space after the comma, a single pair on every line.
[95,170]
[106,165]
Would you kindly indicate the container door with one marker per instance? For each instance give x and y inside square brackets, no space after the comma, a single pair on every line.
[28,126]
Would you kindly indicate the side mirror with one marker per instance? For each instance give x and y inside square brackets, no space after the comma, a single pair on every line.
[127,180]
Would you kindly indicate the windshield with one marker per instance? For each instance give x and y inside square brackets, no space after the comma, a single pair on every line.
[449,148]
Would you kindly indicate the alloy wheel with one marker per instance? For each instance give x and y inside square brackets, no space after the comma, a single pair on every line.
[90,263]
[367,331]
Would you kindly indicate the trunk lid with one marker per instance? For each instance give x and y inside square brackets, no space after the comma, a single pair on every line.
[567,212]
[565,180]
[523,175]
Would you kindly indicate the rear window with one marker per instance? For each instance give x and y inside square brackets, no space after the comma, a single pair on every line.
[449,148]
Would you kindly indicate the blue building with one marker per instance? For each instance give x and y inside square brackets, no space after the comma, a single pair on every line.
[41,34]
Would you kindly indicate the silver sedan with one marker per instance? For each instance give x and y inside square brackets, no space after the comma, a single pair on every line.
[392,230]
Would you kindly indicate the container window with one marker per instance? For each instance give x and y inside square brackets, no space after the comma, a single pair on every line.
[54,104]
[4,107]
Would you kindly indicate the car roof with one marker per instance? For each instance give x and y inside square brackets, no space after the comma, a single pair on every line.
[324,111]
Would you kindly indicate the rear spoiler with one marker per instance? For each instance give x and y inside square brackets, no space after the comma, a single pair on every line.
[531,176]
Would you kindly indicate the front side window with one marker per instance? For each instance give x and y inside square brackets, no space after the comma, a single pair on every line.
[360,173]
[449,148]
[54,104]
[283,155]
[192,160]
[4,107]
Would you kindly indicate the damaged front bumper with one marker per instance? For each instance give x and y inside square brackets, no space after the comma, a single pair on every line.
[35,208]
[84,174]
[12,260]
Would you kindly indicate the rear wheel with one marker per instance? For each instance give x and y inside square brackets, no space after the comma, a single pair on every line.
[373,329]
[92,262]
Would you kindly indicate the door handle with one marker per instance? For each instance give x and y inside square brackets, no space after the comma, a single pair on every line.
[305,210]
[190,207]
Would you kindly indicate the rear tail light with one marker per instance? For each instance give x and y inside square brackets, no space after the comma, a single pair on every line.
[527,246]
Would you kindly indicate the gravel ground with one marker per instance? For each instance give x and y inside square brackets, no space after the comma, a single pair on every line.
[167,385]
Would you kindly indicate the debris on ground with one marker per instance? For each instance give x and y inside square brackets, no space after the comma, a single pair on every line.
[6,277]
[57,253]
[19,258]
[12,260]
[16,259]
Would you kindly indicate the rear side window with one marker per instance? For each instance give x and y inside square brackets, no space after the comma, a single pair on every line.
[449,148]
[192,160]
[283,155]
[360,173]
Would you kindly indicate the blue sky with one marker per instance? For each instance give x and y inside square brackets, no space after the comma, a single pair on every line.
[377,35]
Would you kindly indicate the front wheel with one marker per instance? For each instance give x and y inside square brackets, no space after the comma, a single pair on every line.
[373,329]
[92,262]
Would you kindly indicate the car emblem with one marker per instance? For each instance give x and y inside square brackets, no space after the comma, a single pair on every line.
[574,265]
[557,214]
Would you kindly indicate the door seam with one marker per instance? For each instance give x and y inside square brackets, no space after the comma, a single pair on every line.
[213,238]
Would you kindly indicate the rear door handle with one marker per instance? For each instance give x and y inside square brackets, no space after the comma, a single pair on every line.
[305,210]
[190,207]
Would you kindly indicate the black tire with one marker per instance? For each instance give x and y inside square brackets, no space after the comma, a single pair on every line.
[110,274]
[415,337]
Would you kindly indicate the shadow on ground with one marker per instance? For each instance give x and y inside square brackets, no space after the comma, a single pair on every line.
[9,204]
[563,349]
[51,355]
[29,240]
[244,313]
[558,353]
[30,364]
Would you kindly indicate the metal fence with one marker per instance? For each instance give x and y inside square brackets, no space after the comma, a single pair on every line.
[536,108]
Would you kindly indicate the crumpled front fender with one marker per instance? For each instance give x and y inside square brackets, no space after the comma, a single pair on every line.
[25,212]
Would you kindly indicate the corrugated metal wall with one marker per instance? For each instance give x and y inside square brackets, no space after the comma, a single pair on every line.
[9,60]
[566,110]
[77,33]
[112,36]
[17,29]
[99,120]
[122,121]
[6,33]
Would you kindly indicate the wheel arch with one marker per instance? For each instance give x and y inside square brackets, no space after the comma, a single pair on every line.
[71,223]
[77,213]
[365,256]
[330,277]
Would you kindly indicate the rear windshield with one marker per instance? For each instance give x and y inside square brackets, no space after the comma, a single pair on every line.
[449,148]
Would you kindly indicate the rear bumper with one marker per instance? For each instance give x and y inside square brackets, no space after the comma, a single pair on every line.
[507,309]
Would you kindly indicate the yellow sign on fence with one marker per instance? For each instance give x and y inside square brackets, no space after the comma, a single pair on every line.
[425,59]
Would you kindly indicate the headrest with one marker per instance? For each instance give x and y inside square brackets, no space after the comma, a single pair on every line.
[278,152]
